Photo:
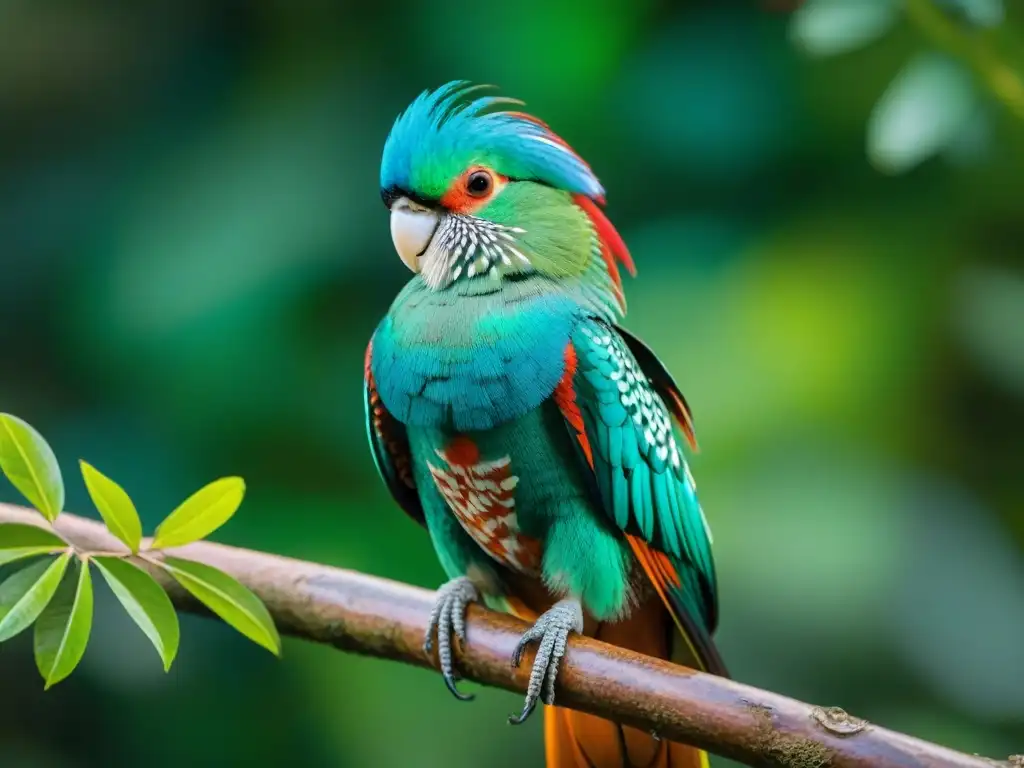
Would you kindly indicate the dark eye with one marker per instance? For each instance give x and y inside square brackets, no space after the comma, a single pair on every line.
[479,183]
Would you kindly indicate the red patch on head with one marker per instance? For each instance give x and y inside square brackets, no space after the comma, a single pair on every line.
[461,198]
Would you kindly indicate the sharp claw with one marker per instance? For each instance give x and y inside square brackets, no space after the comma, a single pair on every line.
[528,637]
[448,618]
[517,654]
[519,719]
[449,681]
[552,630]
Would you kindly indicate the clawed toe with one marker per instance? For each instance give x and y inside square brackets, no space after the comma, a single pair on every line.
[448,618]
[552,631]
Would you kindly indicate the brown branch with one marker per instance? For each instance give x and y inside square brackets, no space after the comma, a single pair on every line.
[382,618]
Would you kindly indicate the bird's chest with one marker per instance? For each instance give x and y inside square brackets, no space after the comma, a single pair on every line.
[469,363]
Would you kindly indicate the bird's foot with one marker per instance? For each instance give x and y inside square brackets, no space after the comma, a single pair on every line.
[448,616]
[552,631]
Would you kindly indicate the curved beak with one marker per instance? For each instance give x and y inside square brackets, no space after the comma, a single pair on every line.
[412,229]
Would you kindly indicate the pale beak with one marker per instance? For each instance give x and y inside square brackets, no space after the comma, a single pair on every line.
[412,229]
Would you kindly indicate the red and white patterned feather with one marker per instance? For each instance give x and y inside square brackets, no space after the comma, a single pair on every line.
[481,494]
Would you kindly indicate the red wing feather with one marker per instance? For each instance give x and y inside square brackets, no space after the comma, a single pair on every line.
[565,397]
[390,447]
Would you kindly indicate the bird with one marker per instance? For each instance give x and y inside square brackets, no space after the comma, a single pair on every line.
[510,413]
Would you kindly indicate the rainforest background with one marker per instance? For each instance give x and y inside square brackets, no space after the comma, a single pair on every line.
[193,254]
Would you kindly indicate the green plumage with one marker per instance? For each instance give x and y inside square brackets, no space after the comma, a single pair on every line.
[642,477]
[471,360]
[538,443]
[485,368]
[582,552]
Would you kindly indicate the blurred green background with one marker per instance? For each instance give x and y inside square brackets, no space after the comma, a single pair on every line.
[193,254]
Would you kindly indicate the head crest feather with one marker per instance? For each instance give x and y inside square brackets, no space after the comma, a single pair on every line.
[453,122]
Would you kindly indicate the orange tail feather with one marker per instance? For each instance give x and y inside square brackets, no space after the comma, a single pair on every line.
[578,740]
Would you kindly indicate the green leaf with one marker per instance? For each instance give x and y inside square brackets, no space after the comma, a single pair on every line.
[30,465]
[13,555]
[18,540]
[25,594]
[830,27]
[62,631]
[930,103]
[233,602]
[114,505]
[146,602]
[201,514]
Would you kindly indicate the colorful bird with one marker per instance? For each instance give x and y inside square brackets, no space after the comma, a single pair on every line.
[537,441]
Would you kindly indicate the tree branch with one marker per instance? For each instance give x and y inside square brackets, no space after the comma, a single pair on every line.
[386,619]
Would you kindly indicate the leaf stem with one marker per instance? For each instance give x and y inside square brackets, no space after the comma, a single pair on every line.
[146,557]
[1001,80]
[84,554]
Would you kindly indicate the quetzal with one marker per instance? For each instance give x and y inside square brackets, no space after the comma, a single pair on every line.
[509,413]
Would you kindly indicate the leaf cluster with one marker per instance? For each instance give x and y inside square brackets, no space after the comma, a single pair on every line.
[52,586]
[936,104]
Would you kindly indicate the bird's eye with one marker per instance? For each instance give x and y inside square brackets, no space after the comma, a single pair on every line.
[479,183]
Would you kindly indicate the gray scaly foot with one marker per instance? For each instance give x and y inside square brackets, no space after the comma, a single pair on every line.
[448,616]
[552,631]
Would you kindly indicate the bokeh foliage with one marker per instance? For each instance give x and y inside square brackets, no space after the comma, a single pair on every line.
[194,255]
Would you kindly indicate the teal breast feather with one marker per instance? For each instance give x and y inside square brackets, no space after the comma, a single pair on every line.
[472,363]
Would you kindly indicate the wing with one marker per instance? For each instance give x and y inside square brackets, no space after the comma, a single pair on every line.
[663,383]
[613,406]
[389,445]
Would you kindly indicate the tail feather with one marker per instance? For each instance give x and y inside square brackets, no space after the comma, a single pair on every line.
[578,740]
[666,576]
